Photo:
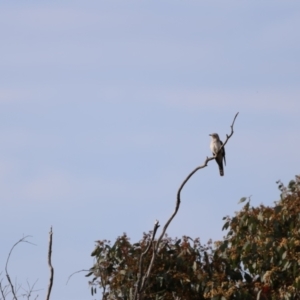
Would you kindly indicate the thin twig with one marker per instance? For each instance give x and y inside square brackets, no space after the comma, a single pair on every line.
[178,201]
[75,273]
[22,240]
[17,287]
[50,265]
[3,289]
[140,282]
[30,290]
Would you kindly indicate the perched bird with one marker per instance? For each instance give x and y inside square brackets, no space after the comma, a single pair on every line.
[215,146]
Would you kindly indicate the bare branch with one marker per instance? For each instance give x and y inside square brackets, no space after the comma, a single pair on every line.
[75,273]
[22,240]
[178,201]
[141,283]
[231,133]
[30,290]
[50,265]
[208,159]
[3,289]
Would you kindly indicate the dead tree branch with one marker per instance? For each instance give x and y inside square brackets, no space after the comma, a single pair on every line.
[50,265]
[3,289]
[22,240]
[75,273]
[28,293]
[140,281]
[143,279]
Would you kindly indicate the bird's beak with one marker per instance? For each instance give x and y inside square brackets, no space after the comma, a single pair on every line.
[209,134]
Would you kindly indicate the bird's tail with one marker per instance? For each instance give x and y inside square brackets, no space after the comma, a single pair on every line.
[221,171]
[220,164]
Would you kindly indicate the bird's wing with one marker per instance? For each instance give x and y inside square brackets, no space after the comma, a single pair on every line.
[212,148]
[223,152]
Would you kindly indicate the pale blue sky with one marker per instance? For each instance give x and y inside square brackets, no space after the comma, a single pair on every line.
[106,106]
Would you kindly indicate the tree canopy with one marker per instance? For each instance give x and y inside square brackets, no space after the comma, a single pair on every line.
[258,259]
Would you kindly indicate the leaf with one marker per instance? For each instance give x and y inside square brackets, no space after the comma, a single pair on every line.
[284,255]
[246,245]
[291,185]
[195,266]
[96,251]
[230,232]
[89,274]
[225,225]
[260,216]
[287,265]
[247,205]
[223,246]
[122,272]
[178,242]
[242,200]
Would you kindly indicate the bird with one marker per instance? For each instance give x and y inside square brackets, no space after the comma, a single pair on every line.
[215,146]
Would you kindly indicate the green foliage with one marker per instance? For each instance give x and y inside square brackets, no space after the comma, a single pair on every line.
[265,241]
[182,268]
[258,259]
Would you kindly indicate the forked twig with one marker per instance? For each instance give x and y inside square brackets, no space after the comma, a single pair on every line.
[30,290]
[3,289]
[22,240]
